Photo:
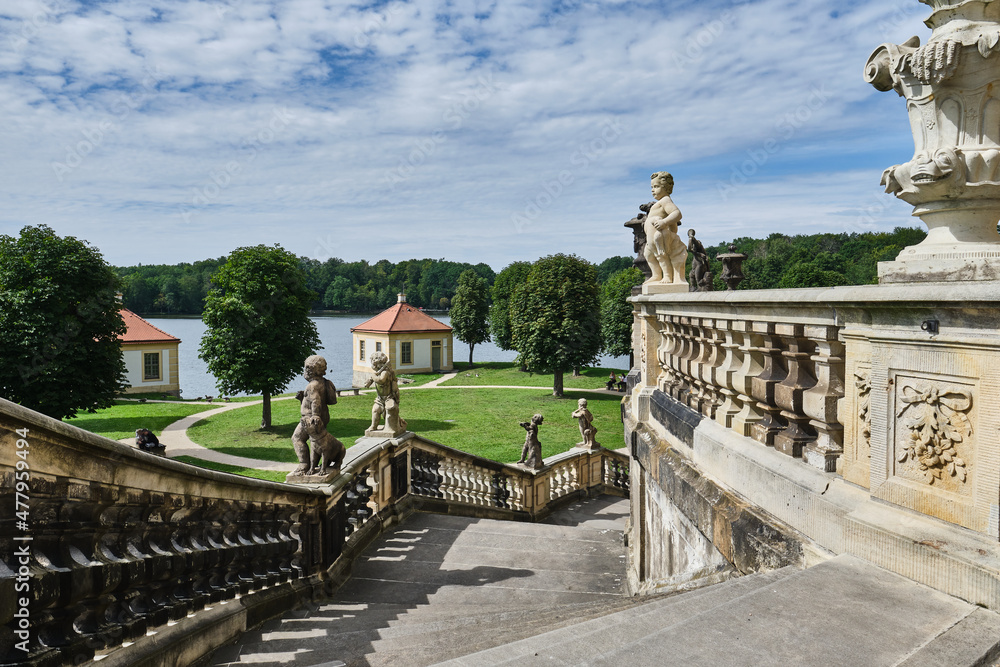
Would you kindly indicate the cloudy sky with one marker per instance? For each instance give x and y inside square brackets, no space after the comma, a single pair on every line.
[175,130]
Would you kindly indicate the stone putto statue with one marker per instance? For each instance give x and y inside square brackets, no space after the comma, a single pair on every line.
[664,251]
[314,410]
[386,398]
[587,429]
[531,453]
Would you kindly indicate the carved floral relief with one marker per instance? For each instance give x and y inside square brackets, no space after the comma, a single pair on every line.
[863,384]
[937,420]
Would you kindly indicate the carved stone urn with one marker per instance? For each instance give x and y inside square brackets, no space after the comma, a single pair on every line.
[952,90]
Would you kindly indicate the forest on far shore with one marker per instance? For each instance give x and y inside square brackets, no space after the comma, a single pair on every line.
[779,261]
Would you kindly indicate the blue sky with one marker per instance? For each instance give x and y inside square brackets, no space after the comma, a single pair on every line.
[177,130]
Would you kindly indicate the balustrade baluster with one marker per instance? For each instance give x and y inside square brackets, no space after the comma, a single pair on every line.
[820,402]
[751,350]
[772,373]
[788,393]
[725,372]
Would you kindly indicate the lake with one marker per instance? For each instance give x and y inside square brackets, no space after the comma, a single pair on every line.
[335,336]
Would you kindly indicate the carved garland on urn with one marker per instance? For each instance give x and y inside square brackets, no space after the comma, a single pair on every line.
[937,420]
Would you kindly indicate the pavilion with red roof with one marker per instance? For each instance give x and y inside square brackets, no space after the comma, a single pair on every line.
[413,340]
[150,357]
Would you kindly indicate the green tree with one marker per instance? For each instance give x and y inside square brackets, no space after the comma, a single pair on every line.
[616,312]
[259,332]
[503,289]
[611,266]
[470,310]
[60,324]
[555,317]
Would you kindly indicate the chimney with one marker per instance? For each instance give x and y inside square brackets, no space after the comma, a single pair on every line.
[401,297]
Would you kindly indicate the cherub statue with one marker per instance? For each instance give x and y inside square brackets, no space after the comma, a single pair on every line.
[386,398]
[664,251]
[316,399]
[587,429]
[531,453]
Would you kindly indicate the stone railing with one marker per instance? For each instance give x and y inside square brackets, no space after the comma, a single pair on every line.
[117,545]
[890,386]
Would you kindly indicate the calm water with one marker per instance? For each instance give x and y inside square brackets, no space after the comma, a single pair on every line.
[335,336]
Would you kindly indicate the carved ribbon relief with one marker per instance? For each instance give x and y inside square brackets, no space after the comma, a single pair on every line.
[937,420]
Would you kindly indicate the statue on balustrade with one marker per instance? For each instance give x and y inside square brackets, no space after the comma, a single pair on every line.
[315,400]
[665,252]
[386,398]
[531,453]
[587,429]
[700,277]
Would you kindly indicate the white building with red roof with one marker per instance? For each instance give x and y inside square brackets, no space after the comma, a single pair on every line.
[413,340]
[150,357]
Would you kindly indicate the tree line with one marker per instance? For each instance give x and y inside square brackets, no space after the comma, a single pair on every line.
[357,287]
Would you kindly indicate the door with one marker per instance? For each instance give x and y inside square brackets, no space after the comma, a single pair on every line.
[436,356]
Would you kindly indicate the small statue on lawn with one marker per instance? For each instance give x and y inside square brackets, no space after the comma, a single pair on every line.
[147,442]
[386,399]
[700,277]
[327,451]
[664,251]
[531,453]
[587,429]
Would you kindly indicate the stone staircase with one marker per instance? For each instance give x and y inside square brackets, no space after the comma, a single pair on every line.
[473,592]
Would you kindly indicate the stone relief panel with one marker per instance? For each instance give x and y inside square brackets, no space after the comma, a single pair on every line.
[855,411]
[933,429]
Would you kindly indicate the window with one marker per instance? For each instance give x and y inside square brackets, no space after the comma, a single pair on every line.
[406,353]
[435,343]
[378,346]
[361,350]
[151,366]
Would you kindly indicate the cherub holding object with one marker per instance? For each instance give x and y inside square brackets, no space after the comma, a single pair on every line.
[531,453]
[314,413]
[664,251]
[587,429]
[386,398]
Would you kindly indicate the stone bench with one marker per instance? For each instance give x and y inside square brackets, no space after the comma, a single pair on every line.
[354,391]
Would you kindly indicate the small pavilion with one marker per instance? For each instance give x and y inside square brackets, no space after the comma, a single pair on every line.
[414,342]
[150,357]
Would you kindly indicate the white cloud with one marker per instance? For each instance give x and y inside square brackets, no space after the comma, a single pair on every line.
[422,128]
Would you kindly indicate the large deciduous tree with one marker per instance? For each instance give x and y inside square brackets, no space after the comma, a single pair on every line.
[616,311]
[470,310]
[503,289]
[60,324]
[555,317]
[259,332]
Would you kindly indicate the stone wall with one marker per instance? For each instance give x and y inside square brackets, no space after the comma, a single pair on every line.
[814,408]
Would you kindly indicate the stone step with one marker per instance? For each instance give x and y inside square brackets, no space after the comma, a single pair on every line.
[841,612]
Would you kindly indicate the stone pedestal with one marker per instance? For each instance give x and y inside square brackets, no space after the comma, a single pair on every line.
[298,478]
[383,432]
[664,288]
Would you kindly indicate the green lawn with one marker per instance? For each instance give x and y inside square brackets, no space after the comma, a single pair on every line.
[269,475]
[508,374]
[122,420]
[479,421]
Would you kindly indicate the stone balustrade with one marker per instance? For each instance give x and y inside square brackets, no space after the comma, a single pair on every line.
[888,385]
[118,543]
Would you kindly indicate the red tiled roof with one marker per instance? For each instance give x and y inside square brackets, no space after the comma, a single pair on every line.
[139,330]
[401,318]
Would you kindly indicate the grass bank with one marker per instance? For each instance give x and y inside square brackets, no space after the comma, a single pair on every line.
[122,420]
[508,374]
[483,422]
